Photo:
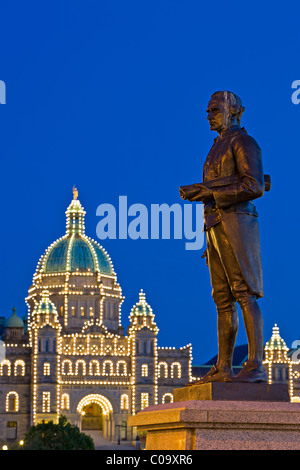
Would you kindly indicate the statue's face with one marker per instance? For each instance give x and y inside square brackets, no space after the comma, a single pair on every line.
[218,115]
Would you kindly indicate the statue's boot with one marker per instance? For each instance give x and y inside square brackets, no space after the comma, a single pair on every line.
[253,369]
[227,331]
[214,375]
[252,372]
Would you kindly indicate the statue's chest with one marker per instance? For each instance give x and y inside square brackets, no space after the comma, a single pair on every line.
[220,161]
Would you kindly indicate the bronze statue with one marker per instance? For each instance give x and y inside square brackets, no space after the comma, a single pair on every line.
[232,178]
[75,193]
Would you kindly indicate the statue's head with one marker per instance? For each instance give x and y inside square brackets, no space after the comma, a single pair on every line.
[224,109]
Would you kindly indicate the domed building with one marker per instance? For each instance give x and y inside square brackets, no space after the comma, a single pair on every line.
[74,357]
[80,277]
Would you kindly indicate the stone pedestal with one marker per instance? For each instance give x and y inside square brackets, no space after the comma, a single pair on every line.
[221,424]
[229,391]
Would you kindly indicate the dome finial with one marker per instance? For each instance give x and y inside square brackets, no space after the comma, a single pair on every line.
[75,193]
[142,296]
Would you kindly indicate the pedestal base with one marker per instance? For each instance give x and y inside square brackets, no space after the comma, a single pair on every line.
[234,391]
[220,425]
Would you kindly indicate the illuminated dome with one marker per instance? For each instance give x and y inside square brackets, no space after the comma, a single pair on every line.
[75,251]
[276,342]
[142,316]
[276,349]
[45,306]
[141,307]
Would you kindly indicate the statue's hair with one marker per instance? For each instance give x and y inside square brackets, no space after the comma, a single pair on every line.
[232,102]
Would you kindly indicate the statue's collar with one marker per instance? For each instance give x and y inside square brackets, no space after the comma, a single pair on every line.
[229,130]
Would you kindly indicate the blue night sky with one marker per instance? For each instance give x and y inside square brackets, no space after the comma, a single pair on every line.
[110,95]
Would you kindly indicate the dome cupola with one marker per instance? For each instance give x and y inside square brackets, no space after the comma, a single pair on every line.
[141,315]
[75,251]
[45,312]
[14,321]
[276,348]
[14,327]
[141,307]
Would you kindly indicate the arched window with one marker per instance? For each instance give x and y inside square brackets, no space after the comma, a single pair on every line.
[65,401]
[12,402]
[66,368]
[107,368]
[46,368]
[176,370]
[121,368]
[19,367]
[5,367]
[167,398]
[144,370]
[124,402]
[80,367]
[94,367]
[163,369]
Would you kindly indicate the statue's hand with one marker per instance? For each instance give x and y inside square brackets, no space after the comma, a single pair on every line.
[182,194]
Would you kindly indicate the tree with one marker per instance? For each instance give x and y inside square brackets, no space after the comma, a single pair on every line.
[61,436]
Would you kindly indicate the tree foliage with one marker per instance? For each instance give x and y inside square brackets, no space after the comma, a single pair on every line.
[61,436]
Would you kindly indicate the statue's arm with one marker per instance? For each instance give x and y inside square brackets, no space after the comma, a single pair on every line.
[249,166]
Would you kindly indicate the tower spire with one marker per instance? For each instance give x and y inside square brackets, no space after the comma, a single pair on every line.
[75,215]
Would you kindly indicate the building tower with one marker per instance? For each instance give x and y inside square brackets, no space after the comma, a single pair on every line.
[45,359]
[277,362]
[142,333]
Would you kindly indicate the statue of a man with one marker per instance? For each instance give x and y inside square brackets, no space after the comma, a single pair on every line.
[232,178]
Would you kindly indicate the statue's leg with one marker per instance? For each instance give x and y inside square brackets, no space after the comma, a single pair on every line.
[228,323]
[253,370]
[253,320]
[227,316]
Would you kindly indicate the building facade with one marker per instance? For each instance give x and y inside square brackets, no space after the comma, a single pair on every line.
[72,355]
